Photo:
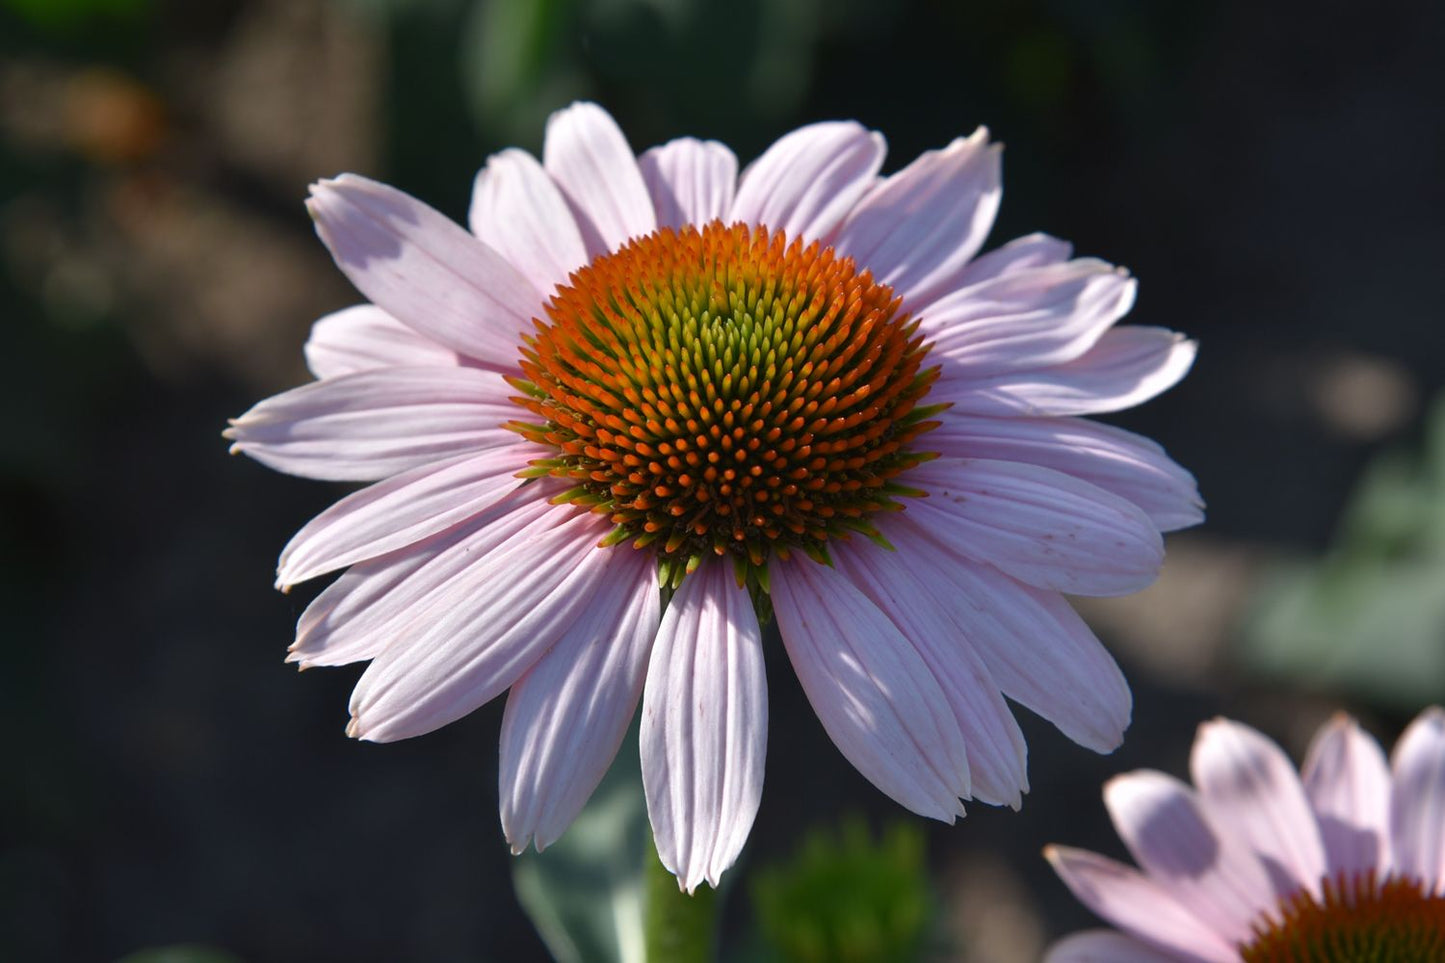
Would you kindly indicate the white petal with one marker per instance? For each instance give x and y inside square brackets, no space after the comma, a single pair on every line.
[1128,465]
[691,181]
[518,211]
[1138,905]
[363,337]
[1039,525]
[1417,811]
[1108,946]
[1165,826]
[420,267]
[1348,784]
[566,717]
[403,509]
[371,424]
[808,181]
[1028,319]
[704,726]
[1034,644]
[871,690]
[916,229]
[489,625]
[587,155]
[1127,366]
[1020,254]
[907,587]
[378,601]
[1254,793]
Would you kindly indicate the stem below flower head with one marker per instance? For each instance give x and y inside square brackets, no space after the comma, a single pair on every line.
[678,928]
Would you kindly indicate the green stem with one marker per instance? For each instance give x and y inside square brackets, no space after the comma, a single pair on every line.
[679,928]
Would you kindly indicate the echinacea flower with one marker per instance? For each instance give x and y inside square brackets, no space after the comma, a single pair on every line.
[793,391]
[1342,863]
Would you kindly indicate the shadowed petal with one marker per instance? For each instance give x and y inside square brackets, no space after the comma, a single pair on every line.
[568,714]
[587,155]
[363,337]
[518,211]
[1041,526]
[421,267]
[376,423]
[1108,946]
[1348,784]
[1417,811]
[806,183]
[704,726]
[691,181]
[916,229]
[871,690]
[1138,905]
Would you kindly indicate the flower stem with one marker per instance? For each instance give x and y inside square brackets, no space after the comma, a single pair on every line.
[679,928]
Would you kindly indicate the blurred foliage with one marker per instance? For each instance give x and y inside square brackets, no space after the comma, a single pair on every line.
[847,898]
[1369,618]
[186,953]
[70,13]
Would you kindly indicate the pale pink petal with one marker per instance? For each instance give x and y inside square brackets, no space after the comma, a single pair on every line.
[1417,810]
[704,726]
[566,717]
[907,585]
[1034,644]
[916,229]
[1127,366]
[1020,254]
[422,268]
[1348,784]
[1110,946]
[403,509]
[1041,526]
[518,211]
[872,691]
[1028,319]
[378,601]
[691,181]
[364,337]
[368,425]
[1166,828]
[1138,905]
[808,181]
[587,155]
[489,625]
[1254,793]
[1128,465]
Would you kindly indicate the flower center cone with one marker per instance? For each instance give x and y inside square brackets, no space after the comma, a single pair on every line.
[1358,920]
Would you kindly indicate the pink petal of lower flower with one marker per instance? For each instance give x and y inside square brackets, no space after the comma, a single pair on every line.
[1035,646]
[403,509]
[1128,465]
[1109,946]
[872,691]
[809,179]
[363,337]
[587,155]
[1020,254]
[1138,905]
[1039,525]
[916,229]
[376,423]
[491,624]
[704,726]
[907,586]
[1254,792]
[424,269]
[519,212]
[566,717]
[1165,826]
[1417,811]
[1127,366]
[1348,784]
[691,181]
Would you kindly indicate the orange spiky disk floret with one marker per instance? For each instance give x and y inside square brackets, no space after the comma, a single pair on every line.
[723,391]
[1357,920]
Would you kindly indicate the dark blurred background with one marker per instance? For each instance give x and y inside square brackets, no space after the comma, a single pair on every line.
[1274,173]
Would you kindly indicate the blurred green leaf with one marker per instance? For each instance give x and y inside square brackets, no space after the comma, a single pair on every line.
[66,13]
[584,893]
[184,953]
